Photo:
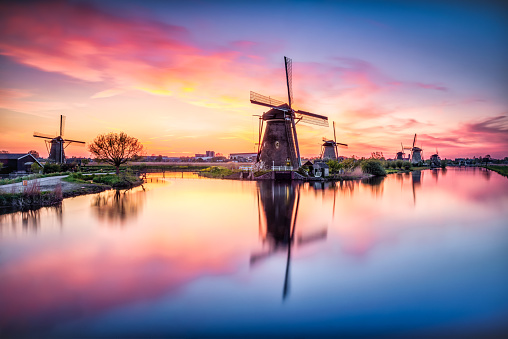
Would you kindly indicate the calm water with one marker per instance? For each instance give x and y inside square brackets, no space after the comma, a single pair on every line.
[423,253]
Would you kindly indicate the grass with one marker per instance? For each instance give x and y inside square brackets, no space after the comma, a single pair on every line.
[31,197]
[216,172]
[503,170]
[124,180]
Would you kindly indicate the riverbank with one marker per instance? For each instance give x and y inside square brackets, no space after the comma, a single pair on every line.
[46,192]
[503,170]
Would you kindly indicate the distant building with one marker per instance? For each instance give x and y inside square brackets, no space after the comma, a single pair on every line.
[200,156]
[243,157]
[17,162]
[210,154]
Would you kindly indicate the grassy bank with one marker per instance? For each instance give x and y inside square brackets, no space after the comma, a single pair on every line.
[216,172]
[503,170]
[125,180]
[33,198]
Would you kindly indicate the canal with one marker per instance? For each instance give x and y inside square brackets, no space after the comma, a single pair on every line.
[423,253]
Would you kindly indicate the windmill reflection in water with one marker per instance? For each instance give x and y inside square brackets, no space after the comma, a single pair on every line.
[278,202]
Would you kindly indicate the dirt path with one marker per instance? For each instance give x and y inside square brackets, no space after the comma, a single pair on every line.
[47,184]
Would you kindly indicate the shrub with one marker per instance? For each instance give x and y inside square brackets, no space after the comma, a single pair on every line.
[443,163]
[334,166]
[349,164]
[51,168]
[407,165]
[399,163]
[373,166]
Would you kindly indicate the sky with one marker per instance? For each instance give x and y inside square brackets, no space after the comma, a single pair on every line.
[177,74]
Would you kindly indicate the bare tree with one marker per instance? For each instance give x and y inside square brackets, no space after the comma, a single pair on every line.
[115,148]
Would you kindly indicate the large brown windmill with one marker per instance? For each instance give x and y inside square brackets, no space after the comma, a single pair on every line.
[280,142]
[329,149]
[58,143]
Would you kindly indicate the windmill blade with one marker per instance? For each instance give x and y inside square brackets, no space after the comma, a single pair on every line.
[289,78]
[312,118]
[334,135]
[414,141]
[44,136]
[319,235]
[76,141]
[256,257]
[263,100]
[340,144]
[62,125]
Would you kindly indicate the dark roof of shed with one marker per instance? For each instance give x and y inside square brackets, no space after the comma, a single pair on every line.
[320,165]
[13,155]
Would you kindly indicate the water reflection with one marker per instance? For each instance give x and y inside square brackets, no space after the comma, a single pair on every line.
[30,221]
[278,204]
[118,205]
[416,183]
[209,251]
[375,184]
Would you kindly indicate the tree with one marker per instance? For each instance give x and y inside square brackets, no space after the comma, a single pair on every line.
[115,148]
[34,153]
[373,166]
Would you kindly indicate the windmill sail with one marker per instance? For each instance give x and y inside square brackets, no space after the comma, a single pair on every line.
[312,118]
[263,100]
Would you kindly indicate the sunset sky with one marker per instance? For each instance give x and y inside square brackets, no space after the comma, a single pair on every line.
[177,74]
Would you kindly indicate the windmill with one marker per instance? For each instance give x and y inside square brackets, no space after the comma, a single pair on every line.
[435,160]
[416,153]
[58,143]
[280,141]
[401,154]
[329,148]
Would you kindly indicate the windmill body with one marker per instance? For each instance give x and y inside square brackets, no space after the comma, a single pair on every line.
[56,153]
[416,156]
[416,153]
[279,145]
[329,148]
[57,144]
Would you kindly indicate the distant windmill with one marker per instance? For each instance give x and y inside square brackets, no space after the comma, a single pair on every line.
[401,154]
[58,143]
[280,141]
[435,160]
[329,148]
[416,153]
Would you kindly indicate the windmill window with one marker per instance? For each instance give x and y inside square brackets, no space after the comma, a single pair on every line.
[277,144]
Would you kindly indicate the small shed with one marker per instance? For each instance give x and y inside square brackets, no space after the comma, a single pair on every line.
[17,162]
[321,169]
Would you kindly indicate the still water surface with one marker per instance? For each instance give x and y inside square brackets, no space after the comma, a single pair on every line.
[422,253]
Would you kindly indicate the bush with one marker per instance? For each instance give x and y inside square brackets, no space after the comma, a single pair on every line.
[51,168]
[399,163]
[407,165]
[443,163]
[334,166]
[350,164]
[373,166]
